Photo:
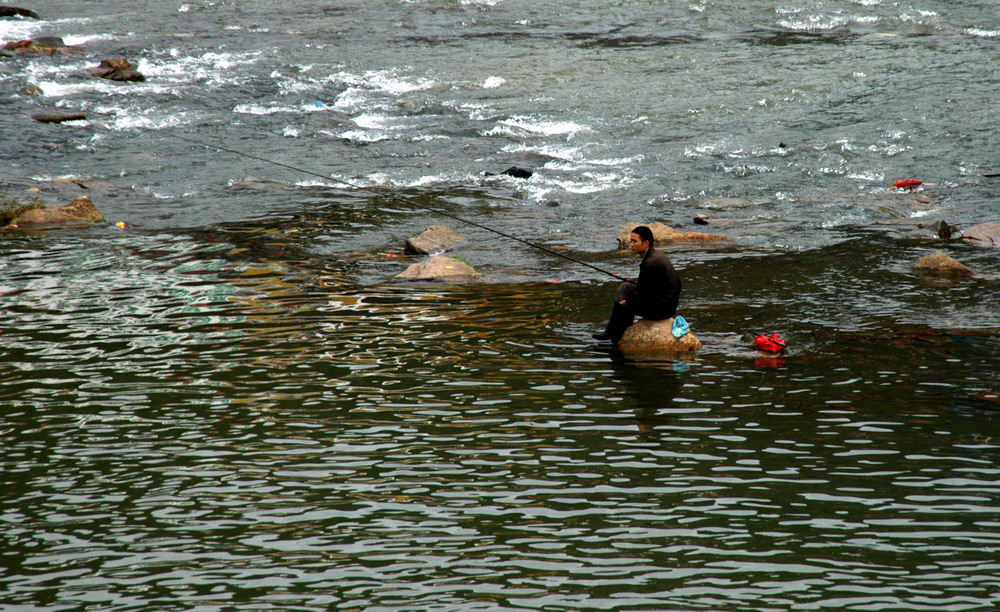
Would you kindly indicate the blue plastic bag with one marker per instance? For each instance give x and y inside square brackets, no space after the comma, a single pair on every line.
[680,327]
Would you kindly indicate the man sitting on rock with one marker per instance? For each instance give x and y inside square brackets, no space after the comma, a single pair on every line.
[653,295]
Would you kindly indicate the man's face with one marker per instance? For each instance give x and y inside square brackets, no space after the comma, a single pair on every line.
[637,244]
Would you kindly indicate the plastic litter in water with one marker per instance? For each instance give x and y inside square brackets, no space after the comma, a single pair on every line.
[681,327]
[769,344]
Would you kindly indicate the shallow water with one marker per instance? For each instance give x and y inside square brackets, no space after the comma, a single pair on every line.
[233,405]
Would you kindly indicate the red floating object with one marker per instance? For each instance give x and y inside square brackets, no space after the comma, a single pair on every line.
[769,344]
[909,183]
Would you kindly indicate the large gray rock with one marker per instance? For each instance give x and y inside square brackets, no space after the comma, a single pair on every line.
[80,211]
[439,267]
[942,265]
[984,235]
[647,335]
[434,239]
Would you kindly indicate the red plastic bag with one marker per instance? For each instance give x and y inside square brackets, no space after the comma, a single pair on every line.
[769,344]
[909,183]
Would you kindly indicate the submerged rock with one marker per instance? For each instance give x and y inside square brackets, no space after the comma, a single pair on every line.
[13,11]
[117,69]
[516,172]
[664,234]
[433,239]
[80,211]
[939,263]
[984,235]
[12,209]
[58,117]
[648,335]
[254,183]
[944,229]
[70,187]
[45,45]
[725,203]
[438,267]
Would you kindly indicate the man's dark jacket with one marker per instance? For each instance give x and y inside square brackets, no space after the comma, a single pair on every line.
[659,287]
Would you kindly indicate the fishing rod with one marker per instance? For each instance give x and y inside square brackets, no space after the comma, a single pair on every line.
[404,200]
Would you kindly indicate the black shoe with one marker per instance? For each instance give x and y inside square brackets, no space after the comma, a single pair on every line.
[601,336]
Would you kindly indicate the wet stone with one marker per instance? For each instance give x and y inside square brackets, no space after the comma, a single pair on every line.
[58,117]
[15,12]
[434,239]
[983,235]
[941,264]
[117,69]
[80,211]
[648,335]
[664,234]
[439,267]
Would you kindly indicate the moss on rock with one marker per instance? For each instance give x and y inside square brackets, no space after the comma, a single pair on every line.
[12,209]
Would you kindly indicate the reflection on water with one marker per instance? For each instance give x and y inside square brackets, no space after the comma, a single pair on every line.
[251,416]
[198,423]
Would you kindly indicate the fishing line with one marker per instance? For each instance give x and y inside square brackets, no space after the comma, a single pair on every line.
[402,199]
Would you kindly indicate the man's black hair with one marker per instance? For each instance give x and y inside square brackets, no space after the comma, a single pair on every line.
[645,233]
